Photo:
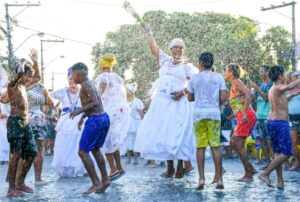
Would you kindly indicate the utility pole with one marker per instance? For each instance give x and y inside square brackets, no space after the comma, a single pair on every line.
[11,62]
[293,3]
[42,54]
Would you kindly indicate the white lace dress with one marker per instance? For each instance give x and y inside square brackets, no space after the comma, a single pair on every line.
[166,132]
[4,145]
[66,161]
[115,105]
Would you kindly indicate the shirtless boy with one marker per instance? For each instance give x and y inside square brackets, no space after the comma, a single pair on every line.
[95,128]
[278,125]
[19,134]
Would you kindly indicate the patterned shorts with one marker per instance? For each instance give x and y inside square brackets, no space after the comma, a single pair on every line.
[20,137]
[294,122]
[207,132]
[39,127]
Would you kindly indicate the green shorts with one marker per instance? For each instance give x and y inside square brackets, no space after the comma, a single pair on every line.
[20,137]
[207,132]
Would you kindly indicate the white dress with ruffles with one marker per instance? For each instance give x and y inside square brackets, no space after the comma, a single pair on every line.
[166,132]
[66,160]
[115,104]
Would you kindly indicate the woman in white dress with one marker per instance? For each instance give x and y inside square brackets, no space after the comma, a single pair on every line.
[113,96]
[136,115]
[4,112]
[166,132]
[66,161]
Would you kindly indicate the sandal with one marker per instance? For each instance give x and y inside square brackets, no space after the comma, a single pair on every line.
[15,193]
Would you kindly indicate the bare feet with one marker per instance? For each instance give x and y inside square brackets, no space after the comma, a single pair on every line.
[245,179]
[215,178]
[92,189]
[15,193]
[168,173]
[103,187]
[135,162]
[201,184]
[294,168]
[266,179]
[280,185]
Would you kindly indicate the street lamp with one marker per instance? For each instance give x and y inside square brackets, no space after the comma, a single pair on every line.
[61,56]
[42,54]
[40,34]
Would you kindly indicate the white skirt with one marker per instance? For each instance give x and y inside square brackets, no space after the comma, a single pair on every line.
[4,145]
[116,136]
[66,160]
[167,132]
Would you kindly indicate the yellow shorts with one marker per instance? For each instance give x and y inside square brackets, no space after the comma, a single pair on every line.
[207,132]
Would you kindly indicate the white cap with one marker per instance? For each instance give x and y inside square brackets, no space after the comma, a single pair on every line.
[176,42]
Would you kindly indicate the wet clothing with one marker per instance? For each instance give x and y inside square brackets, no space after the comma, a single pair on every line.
[244,129]
[236,101]
[207,132]
[37,119]
[94,132]
[20,137]
[279,132]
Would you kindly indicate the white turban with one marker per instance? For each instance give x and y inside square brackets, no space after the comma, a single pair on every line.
[131,87]
[176,42]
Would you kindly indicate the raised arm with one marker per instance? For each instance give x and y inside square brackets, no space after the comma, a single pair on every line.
[151,41]
[34,58]
[259,91]
[293,84]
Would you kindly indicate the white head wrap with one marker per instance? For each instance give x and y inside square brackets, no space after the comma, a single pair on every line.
[131,87]
[176,42]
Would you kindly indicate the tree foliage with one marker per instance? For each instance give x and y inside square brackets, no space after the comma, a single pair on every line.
[231,39]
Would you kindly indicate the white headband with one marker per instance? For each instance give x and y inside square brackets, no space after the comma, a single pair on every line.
[176,42]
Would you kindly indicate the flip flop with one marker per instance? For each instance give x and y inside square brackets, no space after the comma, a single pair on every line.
[117,175]
[24,188]
[15,193]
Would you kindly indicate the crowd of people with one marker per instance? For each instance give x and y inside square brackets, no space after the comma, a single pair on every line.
[192,109]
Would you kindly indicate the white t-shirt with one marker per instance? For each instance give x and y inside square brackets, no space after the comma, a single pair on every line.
[206,88]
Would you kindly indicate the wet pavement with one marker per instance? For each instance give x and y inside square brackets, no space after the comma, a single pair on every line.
[145,184]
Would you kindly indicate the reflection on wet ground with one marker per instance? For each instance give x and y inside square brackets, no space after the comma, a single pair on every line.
[145,184]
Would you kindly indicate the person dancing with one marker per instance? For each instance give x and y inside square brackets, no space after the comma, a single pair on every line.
[166,132]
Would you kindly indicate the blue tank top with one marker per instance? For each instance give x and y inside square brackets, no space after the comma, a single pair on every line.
[294,105]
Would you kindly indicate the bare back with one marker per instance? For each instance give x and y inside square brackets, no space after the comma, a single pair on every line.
[278,103]
[89,96]
[18,100]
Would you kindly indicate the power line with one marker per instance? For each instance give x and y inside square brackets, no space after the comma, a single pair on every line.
[146,5]
[54,35]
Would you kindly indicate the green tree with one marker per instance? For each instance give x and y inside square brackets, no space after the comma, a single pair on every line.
[276,45]
[230,39]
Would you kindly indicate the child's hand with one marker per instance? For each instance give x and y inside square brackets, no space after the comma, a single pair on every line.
[176,95]
[80,124]
[73,114]
[34,55]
